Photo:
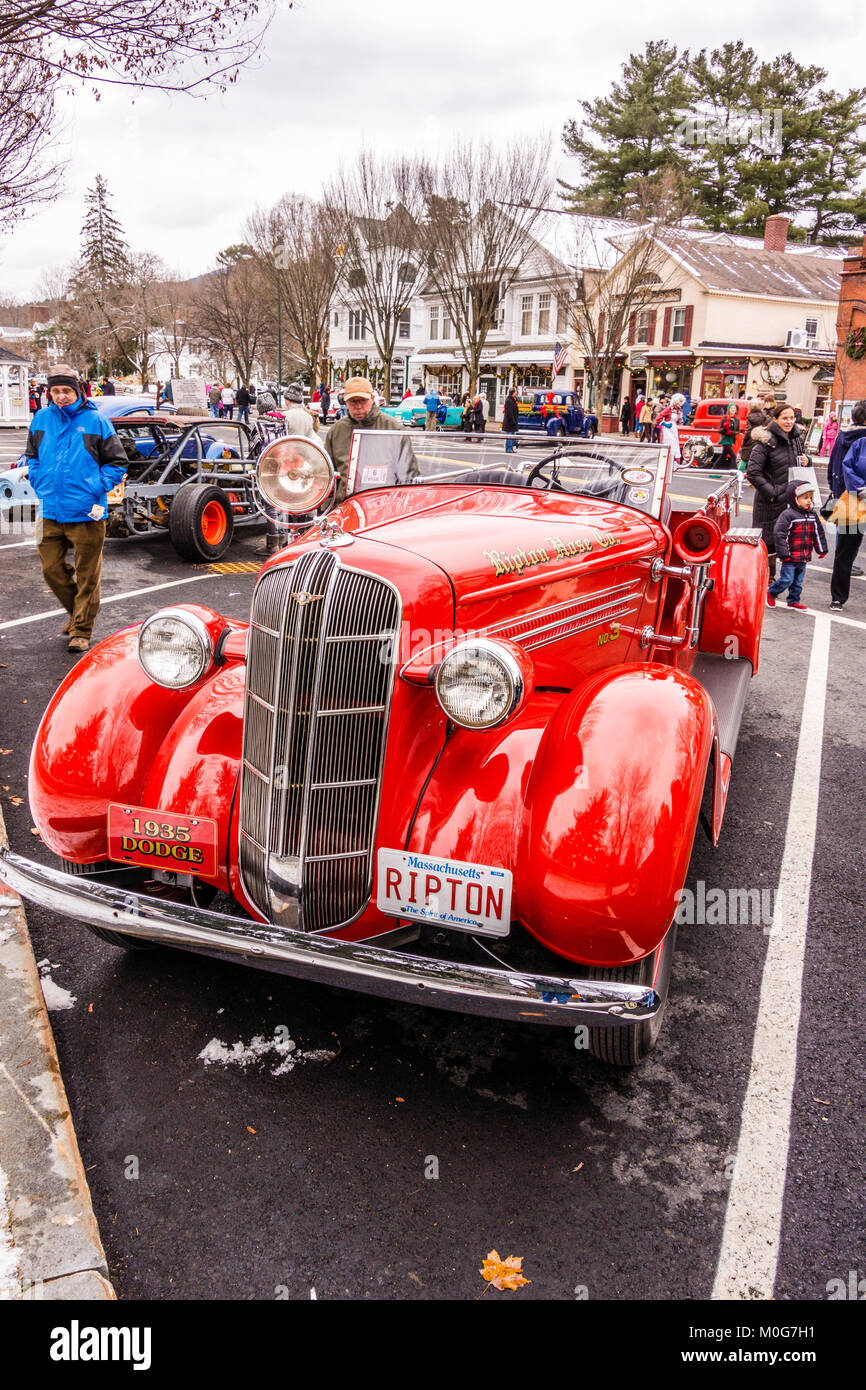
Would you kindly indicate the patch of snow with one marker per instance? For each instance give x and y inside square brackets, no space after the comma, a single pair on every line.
[55,996]
[10,1275]
[284,1051]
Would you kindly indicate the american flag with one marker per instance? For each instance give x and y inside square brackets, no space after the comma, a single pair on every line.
[560,355]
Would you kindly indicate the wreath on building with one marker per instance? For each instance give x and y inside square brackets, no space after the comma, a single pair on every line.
[855,343]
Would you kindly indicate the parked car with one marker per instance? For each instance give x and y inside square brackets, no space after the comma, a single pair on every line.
[413,411]
[700,440]
[458,754]
[186,477]
[116,406]
[535,412]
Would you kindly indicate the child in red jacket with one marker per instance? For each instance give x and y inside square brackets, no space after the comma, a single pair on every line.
[797,532]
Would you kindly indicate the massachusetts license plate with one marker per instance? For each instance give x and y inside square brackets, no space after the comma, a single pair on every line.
[464,897]
[162,840]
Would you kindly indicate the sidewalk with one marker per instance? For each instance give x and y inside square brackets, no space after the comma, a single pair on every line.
[49,1242]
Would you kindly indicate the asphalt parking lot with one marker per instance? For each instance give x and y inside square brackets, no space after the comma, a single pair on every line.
[392,1147]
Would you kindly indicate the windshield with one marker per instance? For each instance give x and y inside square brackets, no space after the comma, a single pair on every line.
[612,468]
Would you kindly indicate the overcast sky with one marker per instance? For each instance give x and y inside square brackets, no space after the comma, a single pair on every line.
[335,74]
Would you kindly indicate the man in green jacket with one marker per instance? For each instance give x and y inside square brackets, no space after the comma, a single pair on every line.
[364,414]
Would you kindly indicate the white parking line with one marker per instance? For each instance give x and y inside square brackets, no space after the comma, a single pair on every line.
[750,1243]
[18,545]
[113,598]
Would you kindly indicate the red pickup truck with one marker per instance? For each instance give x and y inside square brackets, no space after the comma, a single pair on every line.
[700,439]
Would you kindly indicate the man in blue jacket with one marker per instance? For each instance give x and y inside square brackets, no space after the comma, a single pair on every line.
[75,458]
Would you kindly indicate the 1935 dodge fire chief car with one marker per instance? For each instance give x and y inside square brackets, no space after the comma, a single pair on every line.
[457,756]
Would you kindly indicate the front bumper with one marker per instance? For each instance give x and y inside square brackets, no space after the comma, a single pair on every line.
[508,994]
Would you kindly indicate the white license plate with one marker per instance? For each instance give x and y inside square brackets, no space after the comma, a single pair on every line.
[424,888]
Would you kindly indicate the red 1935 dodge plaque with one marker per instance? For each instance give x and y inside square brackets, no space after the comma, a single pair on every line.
[162,840]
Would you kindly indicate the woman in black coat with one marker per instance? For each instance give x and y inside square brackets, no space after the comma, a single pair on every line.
[776,449]
[625,416]
[510,419]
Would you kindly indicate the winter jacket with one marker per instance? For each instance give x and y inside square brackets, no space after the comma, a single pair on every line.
[797,532]
[75,459]
[729,429]
[828,438]
[243,398]
[835,471]
[854,466]
[510,415]
[773,454]
[339,441]
[213,395]
[431,402]
[227,395]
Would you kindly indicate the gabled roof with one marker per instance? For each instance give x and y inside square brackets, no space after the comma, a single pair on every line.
[731,268]
[12,358]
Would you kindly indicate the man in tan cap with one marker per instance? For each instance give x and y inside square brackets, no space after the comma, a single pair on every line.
[364,414]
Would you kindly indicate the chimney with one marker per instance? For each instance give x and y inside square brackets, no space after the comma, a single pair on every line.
[776,232]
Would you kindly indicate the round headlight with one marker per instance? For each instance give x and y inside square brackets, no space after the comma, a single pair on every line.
[174,648]
[295,474]
[481,683]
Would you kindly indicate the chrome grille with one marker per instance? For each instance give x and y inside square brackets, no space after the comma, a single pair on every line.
[319,680]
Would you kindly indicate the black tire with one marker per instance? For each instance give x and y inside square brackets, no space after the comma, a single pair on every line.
[201,522]
[116,938]
[628,1047]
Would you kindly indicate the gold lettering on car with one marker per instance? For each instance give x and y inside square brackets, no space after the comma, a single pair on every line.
[554,548]
[609,636]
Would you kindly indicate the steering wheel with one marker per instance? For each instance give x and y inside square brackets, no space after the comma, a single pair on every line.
[554,483]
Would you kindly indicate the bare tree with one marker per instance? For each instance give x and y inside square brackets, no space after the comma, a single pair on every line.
[177,47]
[233,311]
[29,173]
[296,251]
[476,210]
[378,241]
[184,46]
[174,327]
[615,272]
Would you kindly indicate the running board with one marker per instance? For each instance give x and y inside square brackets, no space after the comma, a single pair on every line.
[726,681]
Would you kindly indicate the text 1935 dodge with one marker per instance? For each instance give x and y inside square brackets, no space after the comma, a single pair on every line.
[458,754]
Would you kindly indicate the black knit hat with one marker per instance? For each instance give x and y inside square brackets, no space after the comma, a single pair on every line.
[63,375]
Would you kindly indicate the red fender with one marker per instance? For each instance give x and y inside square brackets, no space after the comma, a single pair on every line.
[473,806]
[611,813]
[733,613]
[100,739]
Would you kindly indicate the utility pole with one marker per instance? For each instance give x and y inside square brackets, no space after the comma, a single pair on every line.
[279,338]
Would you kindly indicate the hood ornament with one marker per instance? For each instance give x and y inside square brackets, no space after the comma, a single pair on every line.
[302,596]
[332,533]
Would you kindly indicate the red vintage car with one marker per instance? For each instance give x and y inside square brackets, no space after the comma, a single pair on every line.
[458,754]
[700,439]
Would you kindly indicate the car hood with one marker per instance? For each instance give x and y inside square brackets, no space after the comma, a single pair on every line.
[493,540]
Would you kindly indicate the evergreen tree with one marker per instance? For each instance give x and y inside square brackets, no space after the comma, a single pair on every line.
[630,135]
[104,253]
[724,83]
[837,199]
[780,171]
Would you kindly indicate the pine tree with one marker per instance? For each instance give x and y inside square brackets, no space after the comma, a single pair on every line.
[630,135]
[780,171]
[838,200]
[724,82]
[104,253]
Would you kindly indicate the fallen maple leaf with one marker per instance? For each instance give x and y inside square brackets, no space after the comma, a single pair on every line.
[34,831]
[503,1274]
[251,1130]
[16,800]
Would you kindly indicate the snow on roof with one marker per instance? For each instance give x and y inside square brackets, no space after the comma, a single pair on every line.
[734,268]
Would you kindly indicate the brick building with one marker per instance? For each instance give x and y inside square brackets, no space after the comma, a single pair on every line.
[849,382]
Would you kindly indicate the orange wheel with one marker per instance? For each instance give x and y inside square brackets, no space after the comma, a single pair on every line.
[213,523]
